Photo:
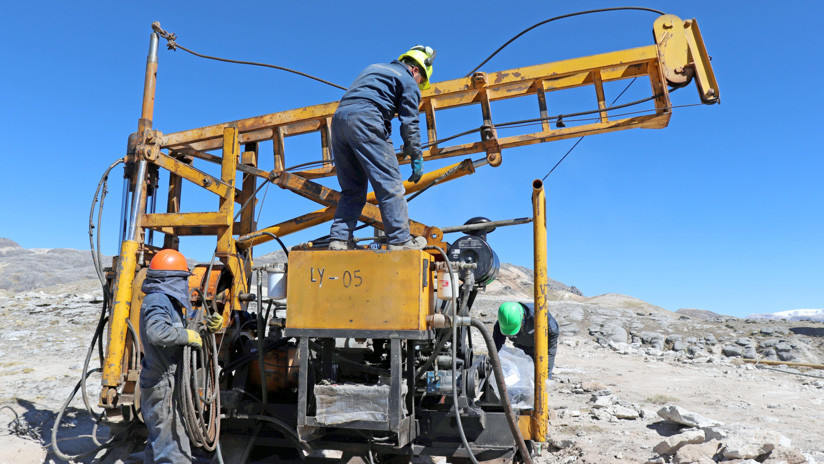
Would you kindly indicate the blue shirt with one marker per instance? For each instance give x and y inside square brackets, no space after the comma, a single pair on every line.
[393,90]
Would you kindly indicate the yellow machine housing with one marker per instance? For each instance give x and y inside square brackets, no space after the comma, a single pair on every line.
[364,290]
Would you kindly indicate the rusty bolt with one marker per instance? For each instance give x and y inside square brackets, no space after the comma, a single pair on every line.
[111,397]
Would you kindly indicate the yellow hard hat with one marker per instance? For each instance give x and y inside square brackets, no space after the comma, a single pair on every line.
[423,56]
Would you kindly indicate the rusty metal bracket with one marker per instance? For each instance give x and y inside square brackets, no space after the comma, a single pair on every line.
[148,144]
[489,137]
[479,80]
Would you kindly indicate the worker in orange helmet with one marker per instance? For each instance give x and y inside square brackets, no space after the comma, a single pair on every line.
[163,336]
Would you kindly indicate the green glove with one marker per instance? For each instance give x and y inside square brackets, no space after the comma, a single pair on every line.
[417,169]
[194,339]
[214,322]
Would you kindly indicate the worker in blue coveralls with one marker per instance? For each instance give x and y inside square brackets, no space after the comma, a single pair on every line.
[516,321]
[363,150]
[163,336]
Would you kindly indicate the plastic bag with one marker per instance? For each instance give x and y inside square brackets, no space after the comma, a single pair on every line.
[519,376]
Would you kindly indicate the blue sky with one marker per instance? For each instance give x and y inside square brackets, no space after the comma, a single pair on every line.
[721,211]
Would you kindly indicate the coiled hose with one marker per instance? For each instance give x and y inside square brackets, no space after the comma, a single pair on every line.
[198,390]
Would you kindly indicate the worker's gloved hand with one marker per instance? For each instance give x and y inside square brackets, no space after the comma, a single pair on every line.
[214,322]
[194,339]
[417,169]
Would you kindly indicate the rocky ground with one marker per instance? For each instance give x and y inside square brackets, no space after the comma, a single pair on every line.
[633,383]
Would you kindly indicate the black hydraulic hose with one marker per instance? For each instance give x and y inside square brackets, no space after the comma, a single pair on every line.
[579,13]
[96,253]
[96,337]
[173,45]
[499,379]
[285,250]
[111,442]
[455,312]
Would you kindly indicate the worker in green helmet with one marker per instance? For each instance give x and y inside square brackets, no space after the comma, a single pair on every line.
[364,153]
[516,321]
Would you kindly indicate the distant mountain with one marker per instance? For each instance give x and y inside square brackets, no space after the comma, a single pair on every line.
[518,282]
[24,269]
[792,315]
[41,268]
[700,314]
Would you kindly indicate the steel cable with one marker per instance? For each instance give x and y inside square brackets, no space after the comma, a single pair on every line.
[171,44]
[601,10]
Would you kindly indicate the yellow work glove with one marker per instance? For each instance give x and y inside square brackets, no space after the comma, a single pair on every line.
[194,339]
[214,322]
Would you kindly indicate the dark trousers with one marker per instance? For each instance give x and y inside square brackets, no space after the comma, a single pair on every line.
[363,152]
[167,442]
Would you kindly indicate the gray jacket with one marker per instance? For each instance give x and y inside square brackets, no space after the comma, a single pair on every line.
[162,325]
[393,90]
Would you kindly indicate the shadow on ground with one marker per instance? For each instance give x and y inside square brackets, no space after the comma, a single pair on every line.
[665,428]
[35,423]
[808,331]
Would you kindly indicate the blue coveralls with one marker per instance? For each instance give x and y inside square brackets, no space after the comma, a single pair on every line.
[163,335]
[363,150]
[525,338]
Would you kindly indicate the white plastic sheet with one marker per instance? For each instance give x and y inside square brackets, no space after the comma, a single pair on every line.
[519,377]
[339,404]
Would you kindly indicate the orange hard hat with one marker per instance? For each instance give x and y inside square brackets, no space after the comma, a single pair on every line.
[169,260]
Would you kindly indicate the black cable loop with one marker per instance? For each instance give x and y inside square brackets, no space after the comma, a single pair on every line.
[601,10]
[96,255]
[173,45]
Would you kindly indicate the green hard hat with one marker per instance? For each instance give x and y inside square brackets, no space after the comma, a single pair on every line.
[510,316]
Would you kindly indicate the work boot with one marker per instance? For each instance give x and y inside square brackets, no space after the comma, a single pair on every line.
[414,243]
[340,245]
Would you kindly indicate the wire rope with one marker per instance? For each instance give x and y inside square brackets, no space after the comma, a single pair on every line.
[171,44]
[579,13]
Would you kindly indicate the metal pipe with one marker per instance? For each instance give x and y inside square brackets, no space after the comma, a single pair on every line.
[124,203]
[152,209]
[261,336]
[127,262]
[149,84]
[783,363]
[540,410]
[486,225]
[113,366]
[139,192]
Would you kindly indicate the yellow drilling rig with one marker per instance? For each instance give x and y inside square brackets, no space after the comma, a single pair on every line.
[357,350]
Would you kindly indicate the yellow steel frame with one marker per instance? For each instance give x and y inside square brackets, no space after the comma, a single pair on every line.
[677,56]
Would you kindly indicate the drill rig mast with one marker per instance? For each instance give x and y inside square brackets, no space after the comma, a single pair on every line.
[385,297]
